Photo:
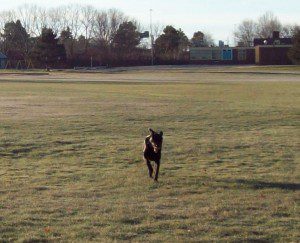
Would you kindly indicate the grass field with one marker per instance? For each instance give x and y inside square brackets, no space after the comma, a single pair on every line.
[72,168]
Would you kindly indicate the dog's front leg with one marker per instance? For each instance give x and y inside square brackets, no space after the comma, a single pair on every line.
[150,169]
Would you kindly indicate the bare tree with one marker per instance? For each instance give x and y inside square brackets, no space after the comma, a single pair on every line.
[88,20]
[5,17]
[73,19]
[266,24]
[64,17]
[107,23]
[289,30]
[32,17]
[264,27]
[25,16]
[157,30]
[116,18]
[55,19]
[39,21]
[101,27]
[245,32]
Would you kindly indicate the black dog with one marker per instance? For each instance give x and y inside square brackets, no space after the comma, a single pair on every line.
[152,151]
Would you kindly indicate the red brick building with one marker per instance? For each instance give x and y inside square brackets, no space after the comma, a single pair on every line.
[272,51]
[272,55]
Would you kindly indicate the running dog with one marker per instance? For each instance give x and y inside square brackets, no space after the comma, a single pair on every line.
[152,151]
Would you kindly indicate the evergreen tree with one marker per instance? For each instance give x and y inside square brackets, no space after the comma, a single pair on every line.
[125,41]
[47,50]
[66,38]
[15,40]
[171,43]
[202,40]
[127,37]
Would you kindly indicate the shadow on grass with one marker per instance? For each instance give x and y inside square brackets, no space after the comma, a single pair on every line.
[263,185]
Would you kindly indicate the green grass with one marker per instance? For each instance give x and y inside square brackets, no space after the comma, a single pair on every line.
[72,168]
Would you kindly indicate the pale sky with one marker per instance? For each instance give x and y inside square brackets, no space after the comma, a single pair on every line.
[218,17]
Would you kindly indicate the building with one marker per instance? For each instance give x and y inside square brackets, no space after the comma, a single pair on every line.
[222,55]
[3,60]
[272,55]
[270,51]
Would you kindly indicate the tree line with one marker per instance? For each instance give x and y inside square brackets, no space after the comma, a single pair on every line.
[76,35]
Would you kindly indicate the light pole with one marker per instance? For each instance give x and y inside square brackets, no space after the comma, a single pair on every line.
[151,38]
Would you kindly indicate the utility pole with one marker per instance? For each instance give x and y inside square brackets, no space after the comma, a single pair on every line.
[151,38]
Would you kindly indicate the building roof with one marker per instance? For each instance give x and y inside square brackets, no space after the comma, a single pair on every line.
[221,48]
[2,56]
[273,41]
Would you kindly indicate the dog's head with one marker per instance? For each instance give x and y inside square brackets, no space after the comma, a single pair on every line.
[156,140]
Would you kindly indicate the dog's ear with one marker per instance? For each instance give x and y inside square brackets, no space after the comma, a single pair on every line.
[151,131]
[161,133]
